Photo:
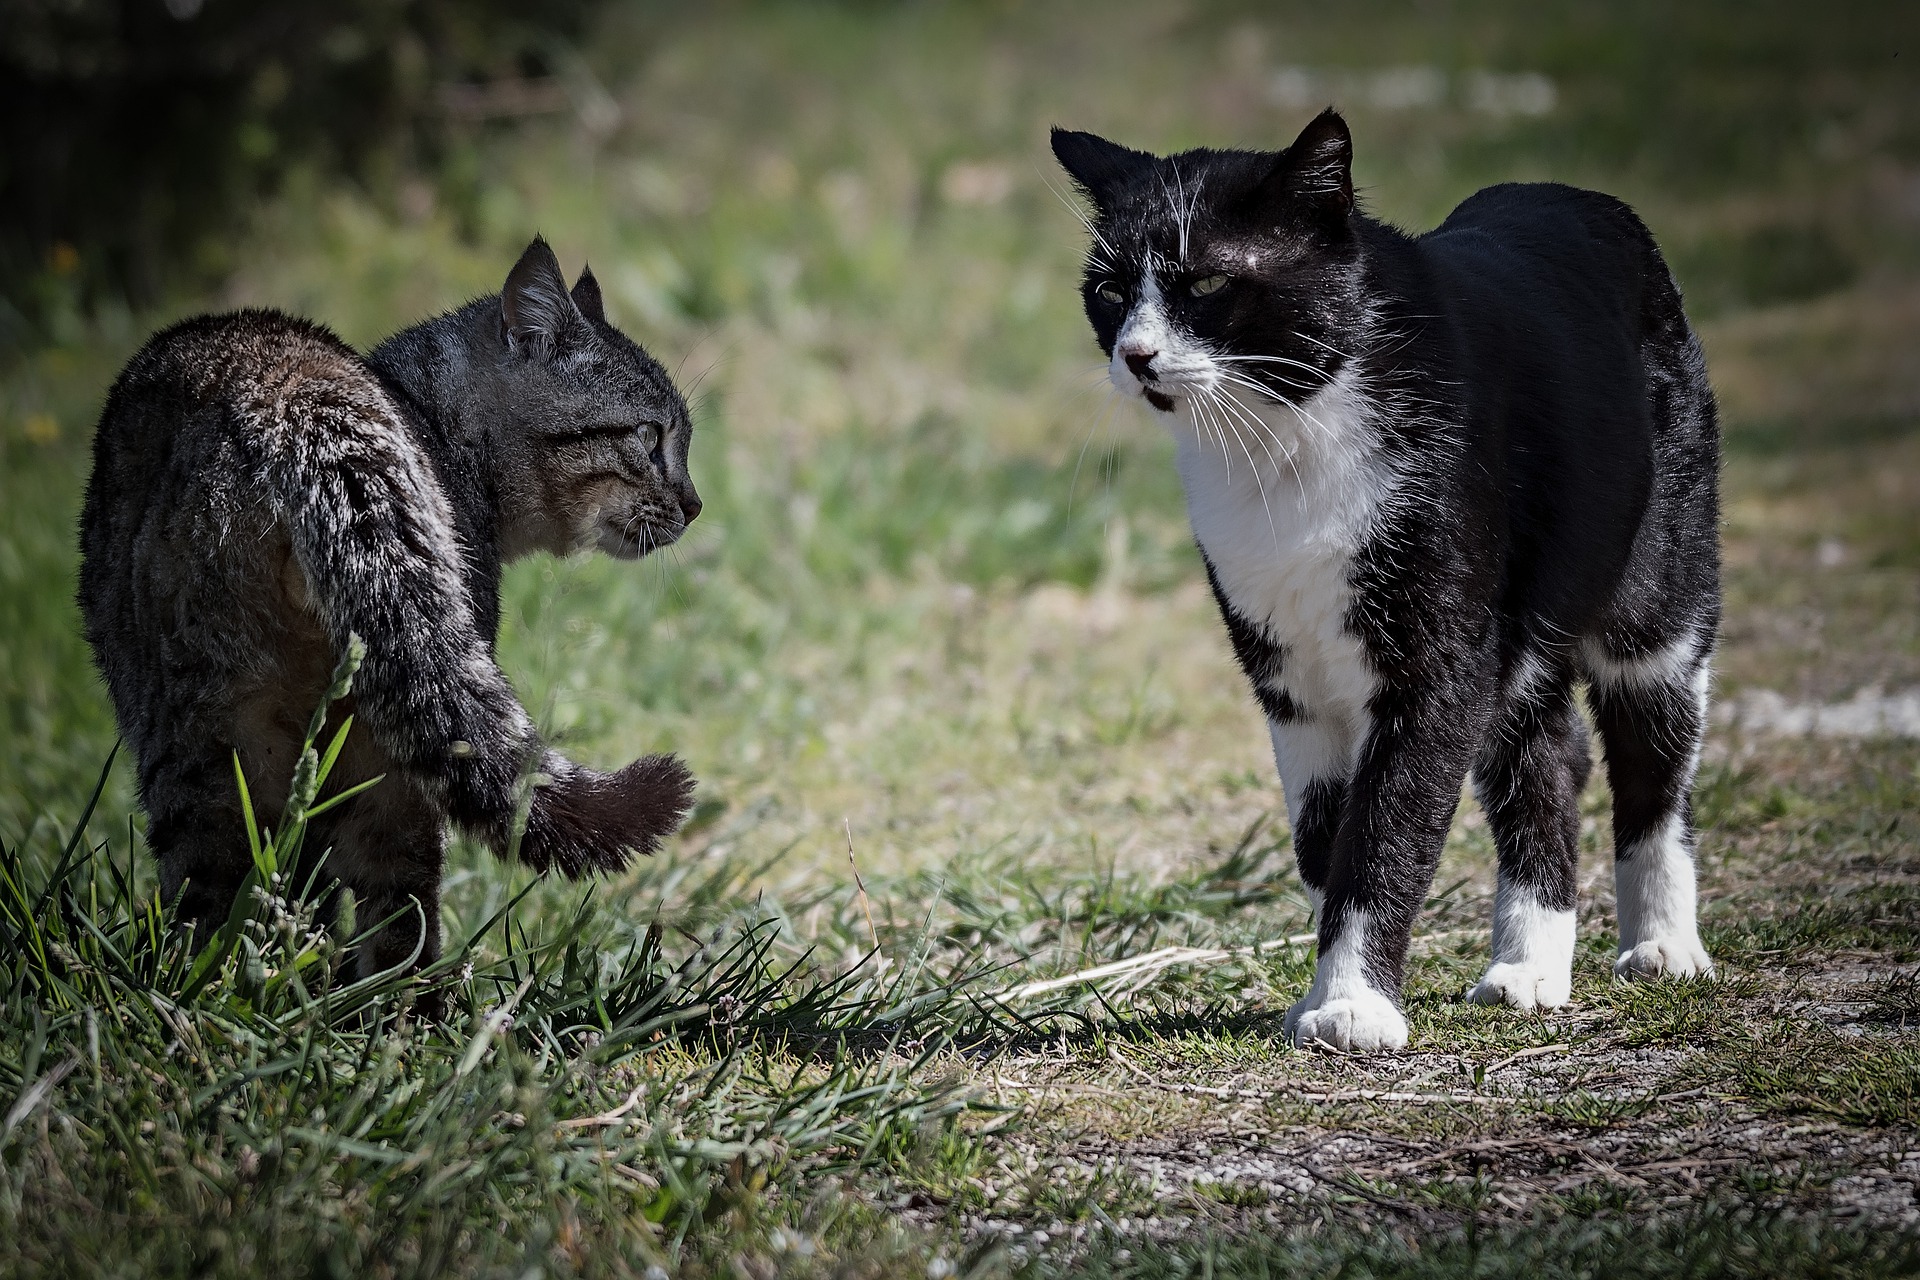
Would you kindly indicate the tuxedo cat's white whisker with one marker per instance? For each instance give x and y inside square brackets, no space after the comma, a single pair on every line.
[1227,425]
[1085,221]
[1226,419]
[1101,419]
[1313,424]
[1202,416]
[1275,379]
[1251,384]
[1278,379]
[1265,433]
[1301,365]
[1226,450]
[1227,403]
[1324,345]
[1242,358]
[1182,206]
[1232,405]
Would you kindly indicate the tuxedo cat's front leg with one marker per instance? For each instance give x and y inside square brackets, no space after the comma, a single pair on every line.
[1315,758]
[1398,806]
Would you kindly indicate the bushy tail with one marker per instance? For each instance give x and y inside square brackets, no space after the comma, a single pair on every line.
[374,536]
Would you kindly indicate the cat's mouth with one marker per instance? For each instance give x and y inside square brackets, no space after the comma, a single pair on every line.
[1159,388]
[633,539]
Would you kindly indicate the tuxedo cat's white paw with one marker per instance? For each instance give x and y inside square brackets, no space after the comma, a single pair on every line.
[1524,986]
[1363,1023]
[1678,955]
[1532,964]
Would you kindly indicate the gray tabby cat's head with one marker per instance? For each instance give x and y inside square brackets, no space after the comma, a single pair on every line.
[600,430]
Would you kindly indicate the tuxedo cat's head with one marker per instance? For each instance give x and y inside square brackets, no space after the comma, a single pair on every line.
[1221,273]
[595,434]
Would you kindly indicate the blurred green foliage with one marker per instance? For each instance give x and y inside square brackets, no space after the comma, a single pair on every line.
[132,132]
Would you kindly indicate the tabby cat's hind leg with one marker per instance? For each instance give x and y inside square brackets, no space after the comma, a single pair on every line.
[203,861]
[388,847]
[1651,711]
[1528,779]
[195,830]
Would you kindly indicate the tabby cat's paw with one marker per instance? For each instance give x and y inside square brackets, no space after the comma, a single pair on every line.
[1524,986]
[1364,1023]
[1675,956]
[583,821]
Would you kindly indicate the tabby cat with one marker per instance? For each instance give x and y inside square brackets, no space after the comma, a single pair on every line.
[261,491]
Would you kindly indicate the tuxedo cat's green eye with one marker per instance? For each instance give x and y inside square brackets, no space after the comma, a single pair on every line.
[1211,284]
[1111,293]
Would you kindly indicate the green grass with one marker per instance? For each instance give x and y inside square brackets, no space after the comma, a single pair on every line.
[941,620]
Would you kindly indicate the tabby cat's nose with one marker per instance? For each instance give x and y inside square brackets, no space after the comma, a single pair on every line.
[1140,363]
[690,506]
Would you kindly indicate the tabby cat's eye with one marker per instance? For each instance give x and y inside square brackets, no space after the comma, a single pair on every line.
[1111,293]
[1211,284]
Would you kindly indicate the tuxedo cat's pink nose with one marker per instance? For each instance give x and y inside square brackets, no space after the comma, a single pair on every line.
[1140,363]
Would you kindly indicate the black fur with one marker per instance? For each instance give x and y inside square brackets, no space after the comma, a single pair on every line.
[1541,405]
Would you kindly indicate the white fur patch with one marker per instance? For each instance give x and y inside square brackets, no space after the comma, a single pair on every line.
[1529,675]
[1281,520]
[1342,1008]
[1148,332]
[1671,664]
[1532,952]
[1654,886]
[1307,751]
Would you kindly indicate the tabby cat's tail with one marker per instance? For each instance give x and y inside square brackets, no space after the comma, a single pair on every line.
[374,536]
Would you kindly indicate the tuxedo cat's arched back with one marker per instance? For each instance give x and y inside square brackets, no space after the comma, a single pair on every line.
[1437,481]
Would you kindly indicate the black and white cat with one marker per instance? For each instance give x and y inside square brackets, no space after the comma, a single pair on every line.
[1436,480]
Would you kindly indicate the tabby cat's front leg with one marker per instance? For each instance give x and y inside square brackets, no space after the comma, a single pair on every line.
[1399,804]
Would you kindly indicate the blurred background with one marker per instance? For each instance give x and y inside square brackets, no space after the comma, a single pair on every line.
[943,591]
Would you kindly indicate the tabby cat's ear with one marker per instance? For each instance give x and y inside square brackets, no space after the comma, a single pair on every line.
[1097,166]
[586,296]
[1314,176]
[535,308]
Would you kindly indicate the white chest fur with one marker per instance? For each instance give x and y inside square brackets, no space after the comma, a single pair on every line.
[1281,520]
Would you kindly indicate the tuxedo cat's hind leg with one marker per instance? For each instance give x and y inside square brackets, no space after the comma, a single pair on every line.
[1528,778]
[1650,707]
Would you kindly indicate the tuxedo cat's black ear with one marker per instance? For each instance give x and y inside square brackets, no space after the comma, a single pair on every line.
[586,296]
[535,308]
[1315,174]
[1096,165]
